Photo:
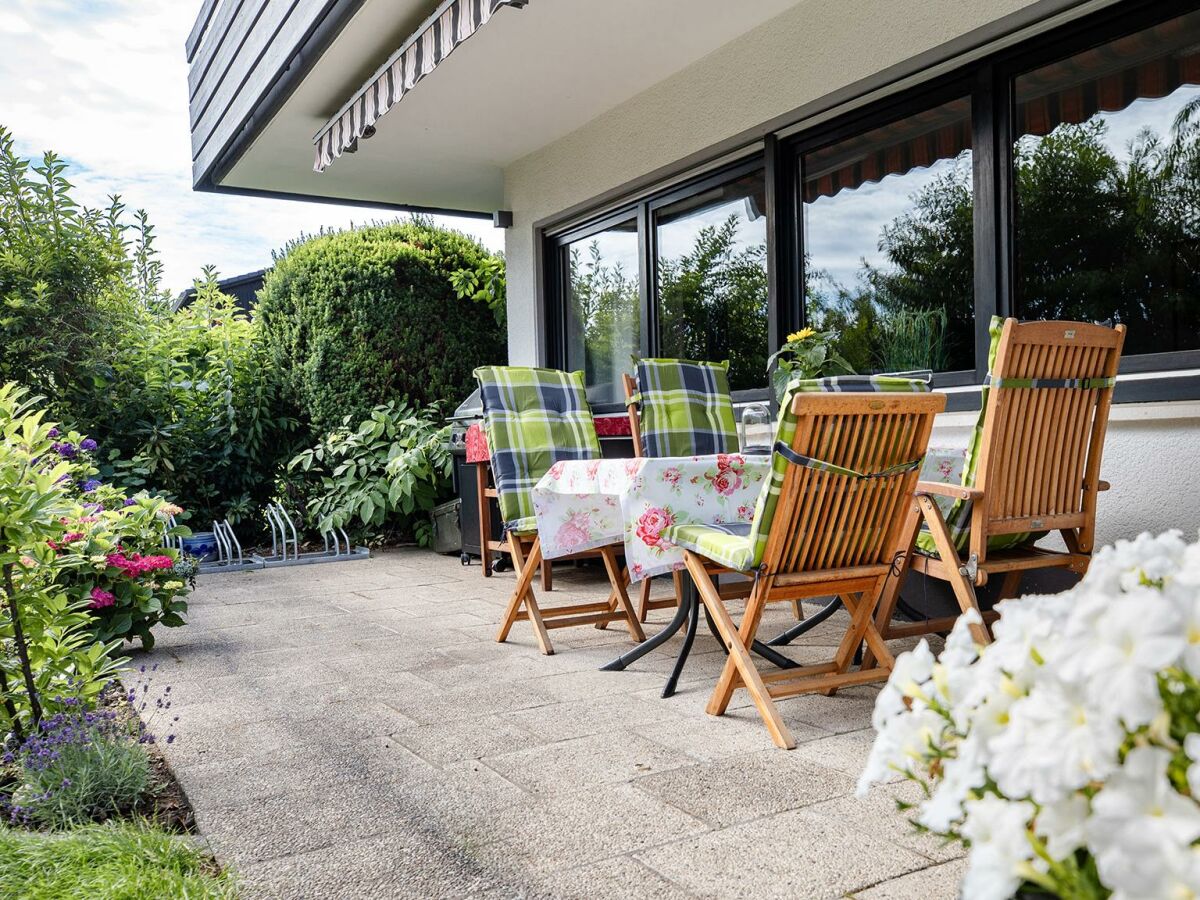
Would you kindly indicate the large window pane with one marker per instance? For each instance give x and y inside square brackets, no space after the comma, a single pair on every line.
[712,279]
[603,310]
[1107,182]
[888,241]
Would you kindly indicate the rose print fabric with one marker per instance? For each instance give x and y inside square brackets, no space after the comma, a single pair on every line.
[582,505]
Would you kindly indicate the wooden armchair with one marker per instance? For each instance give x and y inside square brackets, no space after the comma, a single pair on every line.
[1033,467]
[843,473]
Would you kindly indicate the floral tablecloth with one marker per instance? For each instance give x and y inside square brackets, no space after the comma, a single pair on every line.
[582,505]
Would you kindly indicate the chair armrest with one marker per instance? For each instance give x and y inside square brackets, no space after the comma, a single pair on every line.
[953,491]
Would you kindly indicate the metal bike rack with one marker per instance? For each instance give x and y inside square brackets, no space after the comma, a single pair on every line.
[338,547]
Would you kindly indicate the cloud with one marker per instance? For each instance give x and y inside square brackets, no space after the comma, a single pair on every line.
[103,83]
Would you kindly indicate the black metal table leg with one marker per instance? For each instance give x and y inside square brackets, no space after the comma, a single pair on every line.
[785,638]
[688,610]
[692,602]
[625,659]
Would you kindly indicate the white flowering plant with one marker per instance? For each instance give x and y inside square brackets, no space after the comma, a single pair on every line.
[1065,755]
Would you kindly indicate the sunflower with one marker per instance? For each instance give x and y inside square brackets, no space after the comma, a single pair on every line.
[800,335]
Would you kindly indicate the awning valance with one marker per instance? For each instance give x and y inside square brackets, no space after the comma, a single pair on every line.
[451,23]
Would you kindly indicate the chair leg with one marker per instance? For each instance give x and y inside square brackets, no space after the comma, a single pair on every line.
[798,610]
[891,588]
[547,575]
[526,568]
[644,599]
[739,666]
[617,579]
[1011,585]
[964,590]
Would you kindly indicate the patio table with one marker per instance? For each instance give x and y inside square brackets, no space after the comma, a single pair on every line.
[586,504]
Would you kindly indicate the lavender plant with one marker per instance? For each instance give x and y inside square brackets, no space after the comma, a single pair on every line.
[86,765]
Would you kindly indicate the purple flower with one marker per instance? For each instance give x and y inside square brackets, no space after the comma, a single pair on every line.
[53,432]
[65,449]
[92,483]
[88,444]
[129,501]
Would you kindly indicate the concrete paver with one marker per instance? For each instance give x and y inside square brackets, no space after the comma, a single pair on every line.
[353,730]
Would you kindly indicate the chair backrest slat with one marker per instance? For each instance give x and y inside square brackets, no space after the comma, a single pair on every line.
[1046,415]
[826,520]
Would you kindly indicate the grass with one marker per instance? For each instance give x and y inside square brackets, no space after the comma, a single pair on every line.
[114,861]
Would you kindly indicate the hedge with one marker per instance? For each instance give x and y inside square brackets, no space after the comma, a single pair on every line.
[359,318]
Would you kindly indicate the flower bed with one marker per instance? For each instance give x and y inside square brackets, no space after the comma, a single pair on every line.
[1065,755]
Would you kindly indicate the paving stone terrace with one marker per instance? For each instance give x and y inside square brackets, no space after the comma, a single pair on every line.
[353,730]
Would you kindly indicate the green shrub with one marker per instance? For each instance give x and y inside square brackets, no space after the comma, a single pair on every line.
[65,278]
[187,405]
[359,318]
[382,476]
[111,861]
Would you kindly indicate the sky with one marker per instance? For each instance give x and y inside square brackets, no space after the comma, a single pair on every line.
[103,83]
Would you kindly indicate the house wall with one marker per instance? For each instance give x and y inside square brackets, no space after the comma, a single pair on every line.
[1153,451]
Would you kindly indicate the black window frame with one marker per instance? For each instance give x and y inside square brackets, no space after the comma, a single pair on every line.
[643,211]
[990,84]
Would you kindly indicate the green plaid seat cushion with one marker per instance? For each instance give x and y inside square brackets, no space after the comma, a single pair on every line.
[958,512]
[534,418]
[685,408]
[785,431]
[728,545]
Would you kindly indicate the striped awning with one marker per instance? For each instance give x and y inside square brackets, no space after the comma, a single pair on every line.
[451,23]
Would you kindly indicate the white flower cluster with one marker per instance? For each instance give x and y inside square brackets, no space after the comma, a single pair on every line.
[1066,753]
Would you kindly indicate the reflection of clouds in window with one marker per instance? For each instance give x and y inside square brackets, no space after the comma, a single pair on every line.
[842,231]
[1123,128]
[680,238]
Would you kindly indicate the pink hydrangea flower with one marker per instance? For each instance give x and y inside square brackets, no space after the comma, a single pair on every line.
[101,598]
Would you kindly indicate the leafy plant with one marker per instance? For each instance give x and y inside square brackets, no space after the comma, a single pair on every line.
[188,406]
[47,649]
[385,474]
[805,354]
[364,317]
[485,283]
[63,275]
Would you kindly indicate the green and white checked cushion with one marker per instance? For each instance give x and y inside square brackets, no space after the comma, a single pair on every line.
[685,408]
[728,545]
[958,513]
[742,548]
[534,418]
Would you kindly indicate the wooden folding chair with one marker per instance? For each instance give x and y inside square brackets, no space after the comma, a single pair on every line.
[1033,467]
[830,525]
[534,418]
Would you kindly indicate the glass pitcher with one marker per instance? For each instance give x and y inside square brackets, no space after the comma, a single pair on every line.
[756,429]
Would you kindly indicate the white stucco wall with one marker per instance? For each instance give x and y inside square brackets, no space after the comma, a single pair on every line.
[1152,454]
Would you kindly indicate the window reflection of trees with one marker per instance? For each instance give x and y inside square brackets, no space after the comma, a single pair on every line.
[1108,235]
[605,310]
[713,303]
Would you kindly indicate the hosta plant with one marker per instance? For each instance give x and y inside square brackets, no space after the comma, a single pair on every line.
[385,474]
[1066,754]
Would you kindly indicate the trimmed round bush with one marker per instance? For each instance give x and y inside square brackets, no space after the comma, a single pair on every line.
[359,318]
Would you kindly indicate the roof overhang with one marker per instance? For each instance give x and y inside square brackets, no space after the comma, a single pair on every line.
[526,78]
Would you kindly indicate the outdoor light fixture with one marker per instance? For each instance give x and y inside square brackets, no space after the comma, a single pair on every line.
[502,218]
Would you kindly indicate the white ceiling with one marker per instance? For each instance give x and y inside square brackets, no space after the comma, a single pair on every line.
[527,78]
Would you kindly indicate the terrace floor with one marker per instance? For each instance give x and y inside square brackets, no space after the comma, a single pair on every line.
[353,730]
